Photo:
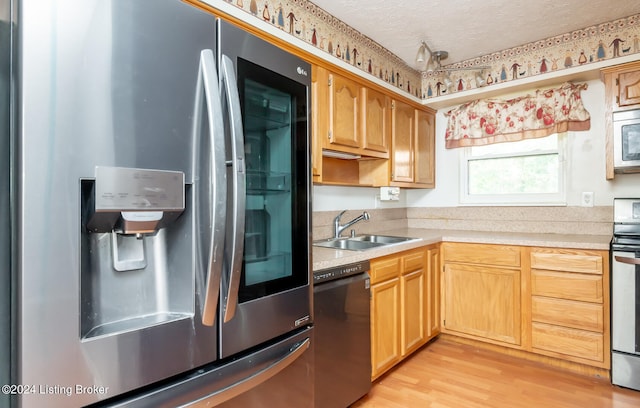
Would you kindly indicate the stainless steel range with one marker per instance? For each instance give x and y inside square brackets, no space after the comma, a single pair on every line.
[625,294]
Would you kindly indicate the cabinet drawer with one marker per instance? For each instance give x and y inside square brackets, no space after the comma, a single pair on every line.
[566,285]
[497,255]
[571,342]
[384,269]
[568,313]
[568,262]
[414,261]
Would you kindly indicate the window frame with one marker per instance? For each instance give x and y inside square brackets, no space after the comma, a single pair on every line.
[540,199]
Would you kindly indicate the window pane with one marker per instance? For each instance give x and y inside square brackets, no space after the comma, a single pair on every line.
[527,145]
[515,175]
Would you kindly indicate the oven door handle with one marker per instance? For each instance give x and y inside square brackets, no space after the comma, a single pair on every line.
[630,261]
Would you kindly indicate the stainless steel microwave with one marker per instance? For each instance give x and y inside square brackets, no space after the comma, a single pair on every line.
[626,141]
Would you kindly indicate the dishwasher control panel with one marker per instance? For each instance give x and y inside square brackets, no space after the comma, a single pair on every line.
[341,271]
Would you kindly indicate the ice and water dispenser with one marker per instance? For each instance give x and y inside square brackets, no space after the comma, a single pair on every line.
[136,250]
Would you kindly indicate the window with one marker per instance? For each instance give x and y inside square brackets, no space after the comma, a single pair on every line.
[530,171]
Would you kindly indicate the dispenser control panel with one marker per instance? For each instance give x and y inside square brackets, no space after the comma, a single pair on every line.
[121,189]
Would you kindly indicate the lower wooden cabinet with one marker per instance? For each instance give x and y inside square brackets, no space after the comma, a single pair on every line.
[413,303]
[385,326]
[539,302]
[570,305]
[483,302]
[433,291]
[404,292]
[549,302]
[482,292]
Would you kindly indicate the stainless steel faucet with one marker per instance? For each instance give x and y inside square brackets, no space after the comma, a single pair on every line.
[337,228]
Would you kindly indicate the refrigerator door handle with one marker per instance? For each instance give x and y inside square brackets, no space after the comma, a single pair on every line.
[228,77]
[253,380]
[208,82]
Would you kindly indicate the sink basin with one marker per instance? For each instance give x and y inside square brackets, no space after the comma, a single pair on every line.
[347,243]
[381,239]
[362,242]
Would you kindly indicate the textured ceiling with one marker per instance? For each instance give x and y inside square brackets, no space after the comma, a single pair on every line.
[469,28]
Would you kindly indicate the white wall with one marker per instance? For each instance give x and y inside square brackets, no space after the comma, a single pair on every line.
[585,162]
[585,170]
[333,198]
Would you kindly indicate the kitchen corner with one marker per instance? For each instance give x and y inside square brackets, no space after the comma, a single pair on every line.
[518,286]
[326,257]
[524,226]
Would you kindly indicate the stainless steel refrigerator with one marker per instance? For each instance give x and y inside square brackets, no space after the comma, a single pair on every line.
[155,189]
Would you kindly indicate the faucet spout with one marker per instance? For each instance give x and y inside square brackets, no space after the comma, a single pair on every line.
[338,229]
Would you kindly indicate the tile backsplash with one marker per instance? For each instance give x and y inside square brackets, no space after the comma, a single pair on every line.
[548,220]
[380,220]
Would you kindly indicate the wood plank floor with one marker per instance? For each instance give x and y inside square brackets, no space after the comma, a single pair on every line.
[446,374]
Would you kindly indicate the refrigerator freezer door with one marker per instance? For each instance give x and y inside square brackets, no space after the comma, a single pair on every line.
[279,375]
[108,83]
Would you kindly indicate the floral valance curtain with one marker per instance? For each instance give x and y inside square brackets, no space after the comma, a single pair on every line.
[489,121]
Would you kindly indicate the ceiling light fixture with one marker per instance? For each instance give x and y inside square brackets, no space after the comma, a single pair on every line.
[431,61]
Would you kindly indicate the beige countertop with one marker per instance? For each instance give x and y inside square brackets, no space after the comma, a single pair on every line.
[326,257]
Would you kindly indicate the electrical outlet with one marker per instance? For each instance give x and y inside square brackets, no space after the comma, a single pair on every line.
[389,193]
[587,199]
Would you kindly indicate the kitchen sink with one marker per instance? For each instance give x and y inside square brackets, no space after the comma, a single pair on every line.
[362,242]
[347,243]
[381,239]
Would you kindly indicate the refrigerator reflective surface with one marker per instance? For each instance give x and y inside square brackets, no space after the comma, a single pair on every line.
[273,288]
[140,225]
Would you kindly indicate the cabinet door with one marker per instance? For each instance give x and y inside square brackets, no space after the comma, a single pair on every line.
[344,109]
[376,121]
[385,326]
[413,306]
[318,119]
[424,149]
[629,88]
[433,292]
[402,140]
[482,301]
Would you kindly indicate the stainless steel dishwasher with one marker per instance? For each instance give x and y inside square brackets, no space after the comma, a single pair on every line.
[342,331]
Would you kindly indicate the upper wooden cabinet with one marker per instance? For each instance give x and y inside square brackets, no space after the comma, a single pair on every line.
[403,136]
[363,137]
[412,146]
[629,88]
[344,102]
[376,121]
[622,92]
[424,151]
[356,118]
[340,110]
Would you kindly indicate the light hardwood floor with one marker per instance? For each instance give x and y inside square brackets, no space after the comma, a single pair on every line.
[446,374]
